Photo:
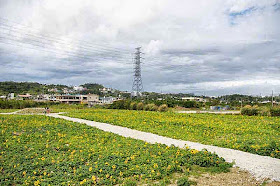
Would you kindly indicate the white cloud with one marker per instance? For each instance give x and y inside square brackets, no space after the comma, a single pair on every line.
[186,43]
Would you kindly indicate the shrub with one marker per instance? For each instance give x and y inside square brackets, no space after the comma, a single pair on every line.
[147,107]
[140,106]
[163,108]
[249,111]
[151,107]
[264,111]
[275,111]
[133,106]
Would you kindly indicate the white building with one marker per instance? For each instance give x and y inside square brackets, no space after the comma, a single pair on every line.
[198,99]
[11,96]
[78,88]
[107,100]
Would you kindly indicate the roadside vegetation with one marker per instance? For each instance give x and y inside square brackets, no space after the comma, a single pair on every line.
[8,110]
[261,111]
[254,134]
[40,150]
[20,104]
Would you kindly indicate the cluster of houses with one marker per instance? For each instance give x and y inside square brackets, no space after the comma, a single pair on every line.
[90,99]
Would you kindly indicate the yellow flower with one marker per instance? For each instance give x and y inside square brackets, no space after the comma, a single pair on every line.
[93,178]
[43,159]
[24,173]
[100,170]
[90,169]
[114,166]
[84,181]
[155,165]
[193,151]
[36,182]
[121,174]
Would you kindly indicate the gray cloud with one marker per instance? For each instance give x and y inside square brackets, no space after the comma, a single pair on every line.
[215,47]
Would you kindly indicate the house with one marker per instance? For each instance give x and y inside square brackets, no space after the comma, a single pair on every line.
[80,99]
[93,99]
[24,97]
[106,90]
[11,96]
[3,97]
[78,88]
[107,100]
[194,99]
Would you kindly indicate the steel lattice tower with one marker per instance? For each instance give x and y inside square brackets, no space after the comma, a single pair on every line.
[137,86]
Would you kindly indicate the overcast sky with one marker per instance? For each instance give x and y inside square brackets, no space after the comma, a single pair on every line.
[191,46]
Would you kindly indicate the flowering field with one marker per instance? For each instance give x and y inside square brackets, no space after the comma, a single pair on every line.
[255,134]
[42,150]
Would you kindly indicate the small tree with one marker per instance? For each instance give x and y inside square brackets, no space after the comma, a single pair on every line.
[140,106]
[163,108]
[133,106]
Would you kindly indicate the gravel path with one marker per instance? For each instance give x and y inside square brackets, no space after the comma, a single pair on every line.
[261,167]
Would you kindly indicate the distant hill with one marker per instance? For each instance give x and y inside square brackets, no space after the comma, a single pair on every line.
[7,87]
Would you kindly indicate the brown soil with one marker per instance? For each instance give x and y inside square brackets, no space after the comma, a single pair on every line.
[234,177]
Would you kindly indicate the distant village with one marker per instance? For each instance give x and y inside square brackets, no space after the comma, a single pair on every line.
[68,96]
[95,94]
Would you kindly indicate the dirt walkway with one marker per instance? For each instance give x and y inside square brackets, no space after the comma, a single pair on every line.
[261,167]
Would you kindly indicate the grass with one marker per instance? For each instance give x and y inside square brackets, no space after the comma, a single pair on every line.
[255,134]
[41,150]
[8,110]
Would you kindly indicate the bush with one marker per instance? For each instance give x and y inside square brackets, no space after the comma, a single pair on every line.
[249,111]
[133,106]
[275,111]
[140,106]
[151,107]
[264,111]
[163,108]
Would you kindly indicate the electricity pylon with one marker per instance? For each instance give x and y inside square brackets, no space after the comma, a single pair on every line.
[137,86]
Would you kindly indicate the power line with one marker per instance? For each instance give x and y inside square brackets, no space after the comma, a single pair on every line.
[43,44]
[51,35]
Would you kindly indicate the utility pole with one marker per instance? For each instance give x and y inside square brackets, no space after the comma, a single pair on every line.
[272,99]
[137,86]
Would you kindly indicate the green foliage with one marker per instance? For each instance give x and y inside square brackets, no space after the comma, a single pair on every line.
[92,88]
[163,108]
[151,107]
[249,110]
[133,105]
[40,150]
[184,181]
[26,87]
[275,111]
[140,106]
[20,104]
[254,134]
[264,111]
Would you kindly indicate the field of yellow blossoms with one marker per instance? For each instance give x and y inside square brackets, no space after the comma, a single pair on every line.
[40,150]
[255,134]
